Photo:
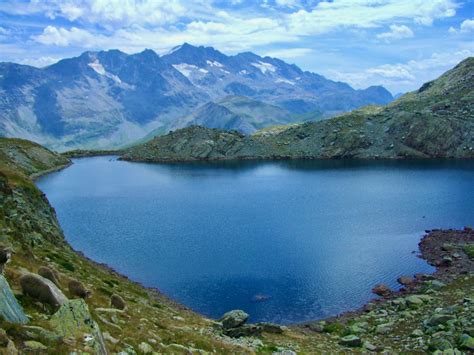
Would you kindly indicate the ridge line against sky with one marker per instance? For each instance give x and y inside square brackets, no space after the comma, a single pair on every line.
[395,43]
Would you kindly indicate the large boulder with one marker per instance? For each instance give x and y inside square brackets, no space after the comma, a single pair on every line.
[352,341]
[10,309]
[382,290]
[233,319]
[73,320]
[42,289]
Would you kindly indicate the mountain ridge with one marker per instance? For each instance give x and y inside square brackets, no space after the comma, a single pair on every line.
[436,121]
[106,99]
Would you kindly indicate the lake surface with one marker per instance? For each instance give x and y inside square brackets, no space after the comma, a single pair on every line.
[311,237]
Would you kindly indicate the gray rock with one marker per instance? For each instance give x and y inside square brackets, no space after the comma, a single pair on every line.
[417,333]
[272,328]
[40,334]
[244,331]
[73,320]
[370,347]
[316,327]
[42,289]
[405,280]
[233,319]
[414,301]
[35,346]
[437,319]
[145,348]
[383,328]
[352,341]
[10,309]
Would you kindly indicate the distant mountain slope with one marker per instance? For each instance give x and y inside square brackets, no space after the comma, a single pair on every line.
[109,98]
[435,121]
[240,113]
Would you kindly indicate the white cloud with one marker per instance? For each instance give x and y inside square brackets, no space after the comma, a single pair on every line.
[290,53]
[107,13]
[467,26]
[40,62]
[396,32]
[403,76]
[327,16]
[287,3]
[63,37]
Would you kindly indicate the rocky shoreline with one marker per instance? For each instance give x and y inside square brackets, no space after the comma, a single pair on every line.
[451,252]
[432,313]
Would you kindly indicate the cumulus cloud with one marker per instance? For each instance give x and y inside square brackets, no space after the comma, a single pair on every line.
[466,26]
[327,16]
[108,13]
[141,23]
[403,76]
[63,37]
[396,32]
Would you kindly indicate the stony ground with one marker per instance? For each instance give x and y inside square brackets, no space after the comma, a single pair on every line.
[109,313]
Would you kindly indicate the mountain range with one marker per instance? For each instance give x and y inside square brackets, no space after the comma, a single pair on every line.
[108,99]
[436,121]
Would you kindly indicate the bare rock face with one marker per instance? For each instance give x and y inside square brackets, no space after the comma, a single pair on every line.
[77,289]
[117,302]
[42,289]
[49,274]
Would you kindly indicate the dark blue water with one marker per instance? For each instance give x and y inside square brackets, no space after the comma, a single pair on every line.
[314,237]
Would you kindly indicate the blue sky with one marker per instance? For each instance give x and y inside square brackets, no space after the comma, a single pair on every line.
[396,43]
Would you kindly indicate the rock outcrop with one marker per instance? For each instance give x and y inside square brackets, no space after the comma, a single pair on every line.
[42,290]
[10,309]
[74,321]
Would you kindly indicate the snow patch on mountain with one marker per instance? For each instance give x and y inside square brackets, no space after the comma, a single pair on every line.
[99,69]
[214,64]
[285,81]
[265,67]
[185,69]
